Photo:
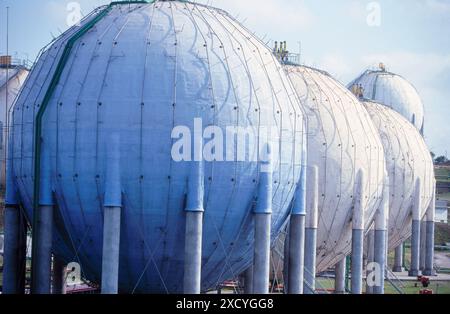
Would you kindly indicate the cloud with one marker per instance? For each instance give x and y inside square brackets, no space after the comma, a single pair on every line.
[439,6]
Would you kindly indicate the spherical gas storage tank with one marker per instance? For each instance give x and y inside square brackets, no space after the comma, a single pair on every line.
[407,159]
[342,140]
[12,78]
[393,91]
[141,75]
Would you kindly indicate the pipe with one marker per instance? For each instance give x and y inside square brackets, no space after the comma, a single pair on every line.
[339,281]
[415,237]
[398,261]
[381,224]
[358,235]
[297,237]
[312,217]
[112,219]
[194,223]
[262,218]
[429,247]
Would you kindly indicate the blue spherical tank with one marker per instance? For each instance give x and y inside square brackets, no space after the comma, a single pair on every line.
[132,73]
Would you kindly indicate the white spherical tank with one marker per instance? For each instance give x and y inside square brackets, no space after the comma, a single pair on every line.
[407,159]
[342,140]
[12,78]
[393,91]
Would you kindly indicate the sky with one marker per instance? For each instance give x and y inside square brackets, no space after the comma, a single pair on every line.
[343,37]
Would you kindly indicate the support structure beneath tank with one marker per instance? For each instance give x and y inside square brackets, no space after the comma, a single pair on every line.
[262,219]
[312,217]
[370,258]
[194,224]
[429,243]
[59,280]
[358,235]
[415,236]
[339,272]
[248,280]
[380,240]
[398,259]
[112,219]
[14,256]
[297,237]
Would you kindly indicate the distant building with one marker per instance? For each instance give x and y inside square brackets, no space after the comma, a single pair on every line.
[441,211]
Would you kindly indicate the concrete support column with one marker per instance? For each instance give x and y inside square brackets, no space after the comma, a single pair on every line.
[423,239]
[370,258]
[194,223]
[59,277]
[112,219]
[415,237]
[42,230]
[193,253]
[111,250]
[14,256]
[398,261]
[380,250]
[42,255]
[15,236]
[262,219]
[358,235]
[312,217]
[339,281]
[286,261]
[429,247]
[297,237]
[248,280]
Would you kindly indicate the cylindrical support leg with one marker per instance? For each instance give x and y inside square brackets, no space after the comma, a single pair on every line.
[286,262]
[358,235]
[261,259]
[59,282]
[398,261]
[42,254]
[429,247]
[111,250]
[370,259]
[339,281]
[193,252]
[380,260]
[310,260]
[429,250]
[248,280]
[423,239]
[296,253]
[312,216]
[415,236]
[415,248]
[357,261]
[14,262]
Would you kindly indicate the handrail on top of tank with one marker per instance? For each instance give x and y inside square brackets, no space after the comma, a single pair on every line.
[47,97]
